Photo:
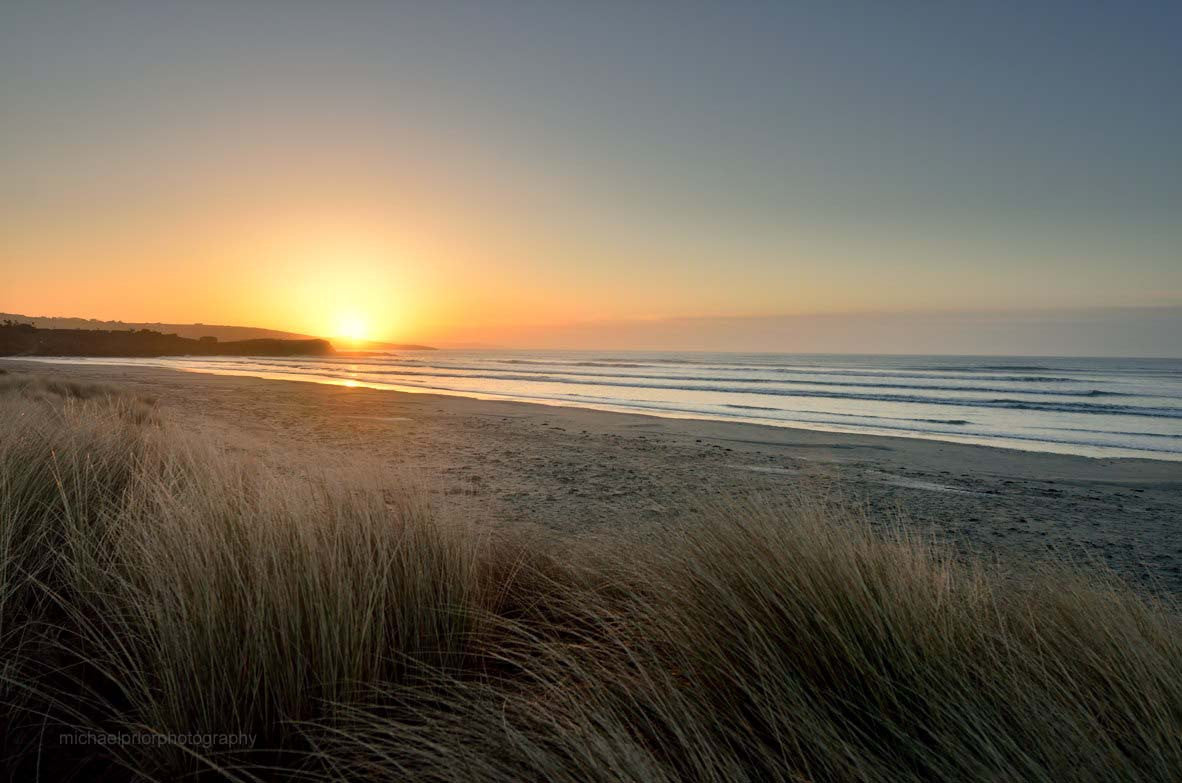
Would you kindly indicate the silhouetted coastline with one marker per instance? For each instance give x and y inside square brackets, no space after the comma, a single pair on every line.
[20,339]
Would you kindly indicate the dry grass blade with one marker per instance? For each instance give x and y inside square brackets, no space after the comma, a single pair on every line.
[156,584]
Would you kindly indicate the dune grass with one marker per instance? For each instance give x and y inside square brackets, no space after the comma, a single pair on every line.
[156,583]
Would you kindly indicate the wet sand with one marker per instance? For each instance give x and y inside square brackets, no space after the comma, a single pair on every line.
[573,469]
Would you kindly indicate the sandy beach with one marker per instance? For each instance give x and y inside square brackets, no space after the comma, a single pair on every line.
[578,470]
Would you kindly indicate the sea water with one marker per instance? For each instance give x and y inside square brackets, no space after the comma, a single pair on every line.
[1095,407]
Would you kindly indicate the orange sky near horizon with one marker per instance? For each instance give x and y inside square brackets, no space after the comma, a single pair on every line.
[410,274]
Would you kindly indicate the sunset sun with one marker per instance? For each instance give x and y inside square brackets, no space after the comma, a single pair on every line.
[351,326]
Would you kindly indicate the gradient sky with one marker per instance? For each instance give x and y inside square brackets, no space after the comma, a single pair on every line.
[495,170]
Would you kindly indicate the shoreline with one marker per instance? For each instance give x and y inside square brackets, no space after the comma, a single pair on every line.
[579,469]
[1004,443]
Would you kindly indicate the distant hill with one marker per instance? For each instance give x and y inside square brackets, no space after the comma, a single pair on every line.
[23,339]
[196,331]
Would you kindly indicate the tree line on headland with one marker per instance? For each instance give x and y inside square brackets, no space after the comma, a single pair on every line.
[22,339]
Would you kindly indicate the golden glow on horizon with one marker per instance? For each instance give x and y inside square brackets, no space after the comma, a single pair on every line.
[391,273]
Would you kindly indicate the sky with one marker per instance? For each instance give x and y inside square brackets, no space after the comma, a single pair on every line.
[602,174]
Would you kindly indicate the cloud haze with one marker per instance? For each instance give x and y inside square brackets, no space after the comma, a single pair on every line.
[1148,332]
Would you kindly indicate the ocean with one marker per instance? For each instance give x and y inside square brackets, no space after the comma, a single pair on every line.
[1088,406]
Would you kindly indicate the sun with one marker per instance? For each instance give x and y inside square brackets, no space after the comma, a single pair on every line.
[351,326]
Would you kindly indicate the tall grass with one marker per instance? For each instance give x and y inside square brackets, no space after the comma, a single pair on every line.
[155,582]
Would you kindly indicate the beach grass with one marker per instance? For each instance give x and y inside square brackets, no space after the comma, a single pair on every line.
[175,605]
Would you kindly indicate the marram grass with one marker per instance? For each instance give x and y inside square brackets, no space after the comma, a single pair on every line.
[157,584]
